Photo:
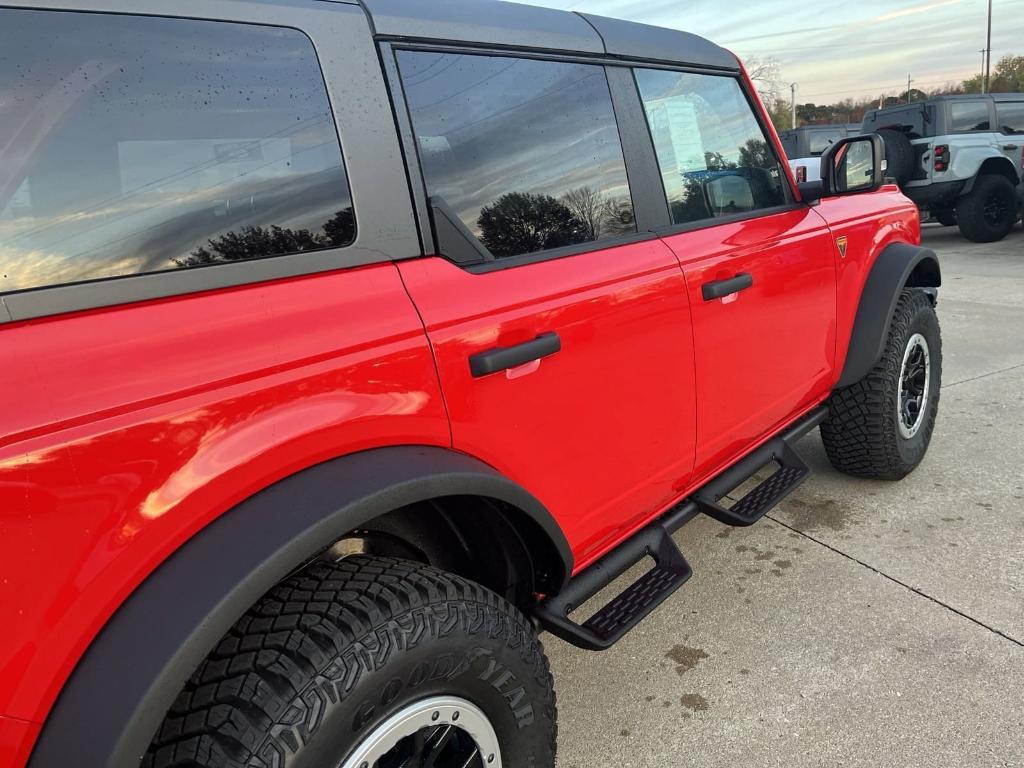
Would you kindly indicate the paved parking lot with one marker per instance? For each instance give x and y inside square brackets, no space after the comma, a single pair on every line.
[864,623]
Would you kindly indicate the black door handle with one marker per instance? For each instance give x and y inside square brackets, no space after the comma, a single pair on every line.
[502,358]
[1010,147]
[720,288]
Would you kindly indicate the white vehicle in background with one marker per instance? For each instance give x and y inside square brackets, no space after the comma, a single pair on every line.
[961,158]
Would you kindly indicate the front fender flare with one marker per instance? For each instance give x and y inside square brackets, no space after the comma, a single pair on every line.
[126,681]
[898,266]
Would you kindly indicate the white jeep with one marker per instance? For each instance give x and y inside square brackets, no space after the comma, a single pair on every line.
[959,157]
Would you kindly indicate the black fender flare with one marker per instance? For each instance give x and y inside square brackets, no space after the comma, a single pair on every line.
[123,685]
[898,266]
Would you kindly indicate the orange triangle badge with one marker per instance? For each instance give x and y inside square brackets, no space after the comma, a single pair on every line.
[841,245]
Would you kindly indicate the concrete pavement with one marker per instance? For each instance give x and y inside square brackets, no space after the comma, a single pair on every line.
[864,623]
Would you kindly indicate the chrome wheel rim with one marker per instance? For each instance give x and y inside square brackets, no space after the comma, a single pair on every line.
[915,381]
[441,732]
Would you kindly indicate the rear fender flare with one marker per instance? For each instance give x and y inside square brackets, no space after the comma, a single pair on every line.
[984,162]
[126,681]
[898,266]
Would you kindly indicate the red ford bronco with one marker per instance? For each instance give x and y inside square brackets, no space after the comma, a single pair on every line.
[348,345]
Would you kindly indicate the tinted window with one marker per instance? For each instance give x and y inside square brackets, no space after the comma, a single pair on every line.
[714,157]
[819,141]
[970,115]
[526,153]
[1010,115]
[132,144]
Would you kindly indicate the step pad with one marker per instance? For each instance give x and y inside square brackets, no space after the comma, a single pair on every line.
[650,589]
[754,504]
[765,495]
[627,609]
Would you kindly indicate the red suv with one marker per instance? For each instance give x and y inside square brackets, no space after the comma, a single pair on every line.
[347,345]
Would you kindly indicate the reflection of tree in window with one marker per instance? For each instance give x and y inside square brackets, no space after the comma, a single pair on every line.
[525,152]
[519,222]
[259,242]
[713,155]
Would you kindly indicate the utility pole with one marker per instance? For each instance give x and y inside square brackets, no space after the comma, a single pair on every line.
[792,102]
[909,81]
[983,70]
[988,51]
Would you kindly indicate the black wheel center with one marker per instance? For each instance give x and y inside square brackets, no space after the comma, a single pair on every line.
[913,386]
[440,746]
[996,209]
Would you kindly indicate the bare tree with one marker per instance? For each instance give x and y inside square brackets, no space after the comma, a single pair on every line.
[765,72]
[586,205]
[617,217]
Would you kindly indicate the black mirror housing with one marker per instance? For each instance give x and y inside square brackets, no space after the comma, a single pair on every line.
[811,191]
[843,164]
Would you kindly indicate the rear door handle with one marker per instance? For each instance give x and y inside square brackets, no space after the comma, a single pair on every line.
[720,288]
[502,358]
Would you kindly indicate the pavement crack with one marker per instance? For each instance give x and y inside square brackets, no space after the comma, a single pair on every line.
[984,375]
[894,580]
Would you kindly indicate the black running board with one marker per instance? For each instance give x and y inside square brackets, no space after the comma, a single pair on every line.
[754,504]
[671,571]
[630,607]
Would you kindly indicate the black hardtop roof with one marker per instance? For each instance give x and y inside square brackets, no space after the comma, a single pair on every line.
[953,97]
[498,23]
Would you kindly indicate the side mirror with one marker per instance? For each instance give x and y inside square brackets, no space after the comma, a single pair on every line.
[852,165]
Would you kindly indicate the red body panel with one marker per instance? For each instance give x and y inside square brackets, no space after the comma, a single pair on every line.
[601,432]
[16,740]
[125,430]
[767,352]
[136,426]
[869,222]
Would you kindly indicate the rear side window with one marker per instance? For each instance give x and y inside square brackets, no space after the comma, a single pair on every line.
[715,159]
[819,141]
[970,116]
[131,145]
[1010,115]
[526,153]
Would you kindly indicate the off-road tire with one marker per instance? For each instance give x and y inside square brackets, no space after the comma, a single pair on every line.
[330,653]
[899,155]
[945,216]
[970,209]
[862,434]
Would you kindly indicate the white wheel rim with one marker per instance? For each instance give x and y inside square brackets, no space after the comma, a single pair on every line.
[439,711]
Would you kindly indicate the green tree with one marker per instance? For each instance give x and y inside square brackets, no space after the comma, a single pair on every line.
[1007,77]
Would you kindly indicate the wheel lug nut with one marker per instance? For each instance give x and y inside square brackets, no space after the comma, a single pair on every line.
[435,716]
[455,716]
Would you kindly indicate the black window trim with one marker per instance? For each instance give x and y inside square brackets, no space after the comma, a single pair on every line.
[650,204]
[386,226]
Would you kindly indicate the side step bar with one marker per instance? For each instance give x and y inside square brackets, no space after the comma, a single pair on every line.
[671,571]
[753,505]
[629,608]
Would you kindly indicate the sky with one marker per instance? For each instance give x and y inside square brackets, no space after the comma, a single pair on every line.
[839,50]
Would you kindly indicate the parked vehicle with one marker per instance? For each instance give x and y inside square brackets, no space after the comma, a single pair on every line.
[347,344]
[814,140]
[958,157]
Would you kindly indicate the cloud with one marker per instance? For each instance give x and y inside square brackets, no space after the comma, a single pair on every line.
[914,9]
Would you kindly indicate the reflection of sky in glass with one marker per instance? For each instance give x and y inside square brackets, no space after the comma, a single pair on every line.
[489,125]
[128,142]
